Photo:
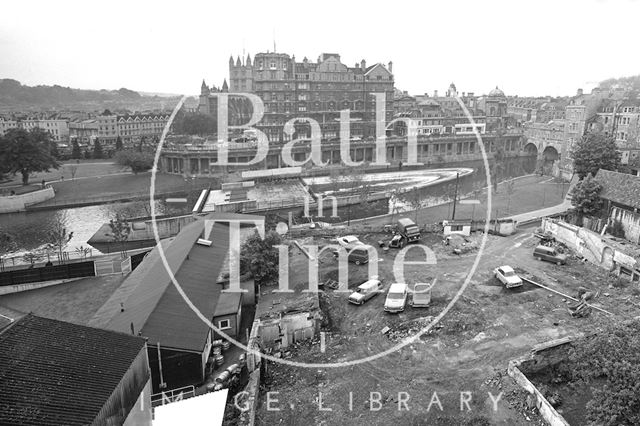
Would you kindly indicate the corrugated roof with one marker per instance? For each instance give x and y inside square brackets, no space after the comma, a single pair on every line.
[621,188]
[57,373]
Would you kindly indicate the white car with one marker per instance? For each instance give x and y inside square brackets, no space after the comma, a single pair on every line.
[396,298]
[366,291]
[507,276]
[348,241]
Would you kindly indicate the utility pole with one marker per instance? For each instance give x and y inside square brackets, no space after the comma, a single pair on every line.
[455,197]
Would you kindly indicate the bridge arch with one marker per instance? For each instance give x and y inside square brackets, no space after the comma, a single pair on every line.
[531,149]
[550,153]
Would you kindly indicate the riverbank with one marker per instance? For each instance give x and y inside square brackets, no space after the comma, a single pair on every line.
[119,188]
[527,194]
[69,170]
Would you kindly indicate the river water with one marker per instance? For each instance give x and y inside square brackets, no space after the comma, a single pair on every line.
[30,231]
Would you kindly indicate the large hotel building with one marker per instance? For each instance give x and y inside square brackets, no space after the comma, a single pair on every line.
[317,90]
[320,90]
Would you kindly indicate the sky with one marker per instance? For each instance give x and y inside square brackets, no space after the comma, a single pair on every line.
[529,48]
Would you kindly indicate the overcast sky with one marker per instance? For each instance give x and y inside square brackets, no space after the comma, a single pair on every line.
[536,47]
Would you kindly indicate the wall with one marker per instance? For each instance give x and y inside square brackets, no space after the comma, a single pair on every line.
[19,203]
[128,392]
[233,323]
[630,223]
[178,368]
[542,357]
[140,414]
[593,247]
[289,328]
[248,417]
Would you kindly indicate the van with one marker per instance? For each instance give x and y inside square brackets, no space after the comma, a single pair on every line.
[365,291]
[421,295]
[396,298]
[549,254]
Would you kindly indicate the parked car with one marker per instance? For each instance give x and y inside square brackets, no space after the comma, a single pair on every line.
[349,241]
[421,296]
[507,276]
[396,298]
[366,291]
[549,254]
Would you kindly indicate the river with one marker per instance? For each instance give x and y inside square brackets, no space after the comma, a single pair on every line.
[21,233]
[30,231]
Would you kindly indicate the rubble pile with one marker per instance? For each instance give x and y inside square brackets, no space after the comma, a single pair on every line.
[410,328]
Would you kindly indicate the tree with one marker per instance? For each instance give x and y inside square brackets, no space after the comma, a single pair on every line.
[593,152]
[586,197]
[119,145]
[120,230]
[612,355]
[54,150]
[75,150]
[58,235]
[87,154]
[260,257]
[412,199]
[26,152]
[97,149]
[137,161]
[510,189]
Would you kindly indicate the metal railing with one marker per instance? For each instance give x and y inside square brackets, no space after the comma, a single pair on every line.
[173,395]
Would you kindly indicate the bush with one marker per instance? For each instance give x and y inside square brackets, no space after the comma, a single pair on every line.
[137,161]
[260,257]
[613,355]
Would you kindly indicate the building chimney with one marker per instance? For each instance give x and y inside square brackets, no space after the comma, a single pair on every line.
[580,92]
[363,64]
[463,94]
[435,93]
[390,66]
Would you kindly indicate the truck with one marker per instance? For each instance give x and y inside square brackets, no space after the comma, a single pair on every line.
[409,230]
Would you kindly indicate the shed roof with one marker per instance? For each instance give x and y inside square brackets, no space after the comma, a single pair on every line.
[57,373]
[621,188]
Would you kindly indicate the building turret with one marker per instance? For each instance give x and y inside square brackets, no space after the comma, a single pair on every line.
[204,89]
[225,86]
[248,62]
[238,63]
[230,61]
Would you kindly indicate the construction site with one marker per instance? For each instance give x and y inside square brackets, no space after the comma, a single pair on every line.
[456,372]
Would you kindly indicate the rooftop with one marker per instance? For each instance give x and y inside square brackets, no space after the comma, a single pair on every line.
[620,188]
[58,373]
[155,308]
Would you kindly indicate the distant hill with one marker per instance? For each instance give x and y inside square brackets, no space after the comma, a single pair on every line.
[17,97]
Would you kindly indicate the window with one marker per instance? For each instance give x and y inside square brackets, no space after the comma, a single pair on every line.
[224,324]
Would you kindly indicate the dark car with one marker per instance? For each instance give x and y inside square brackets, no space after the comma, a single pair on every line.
[549,254]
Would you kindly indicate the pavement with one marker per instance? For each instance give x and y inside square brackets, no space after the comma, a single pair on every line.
[536,215]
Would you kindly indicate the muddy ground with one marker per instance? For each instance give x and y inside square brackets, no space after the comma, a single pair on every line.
[466,352]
